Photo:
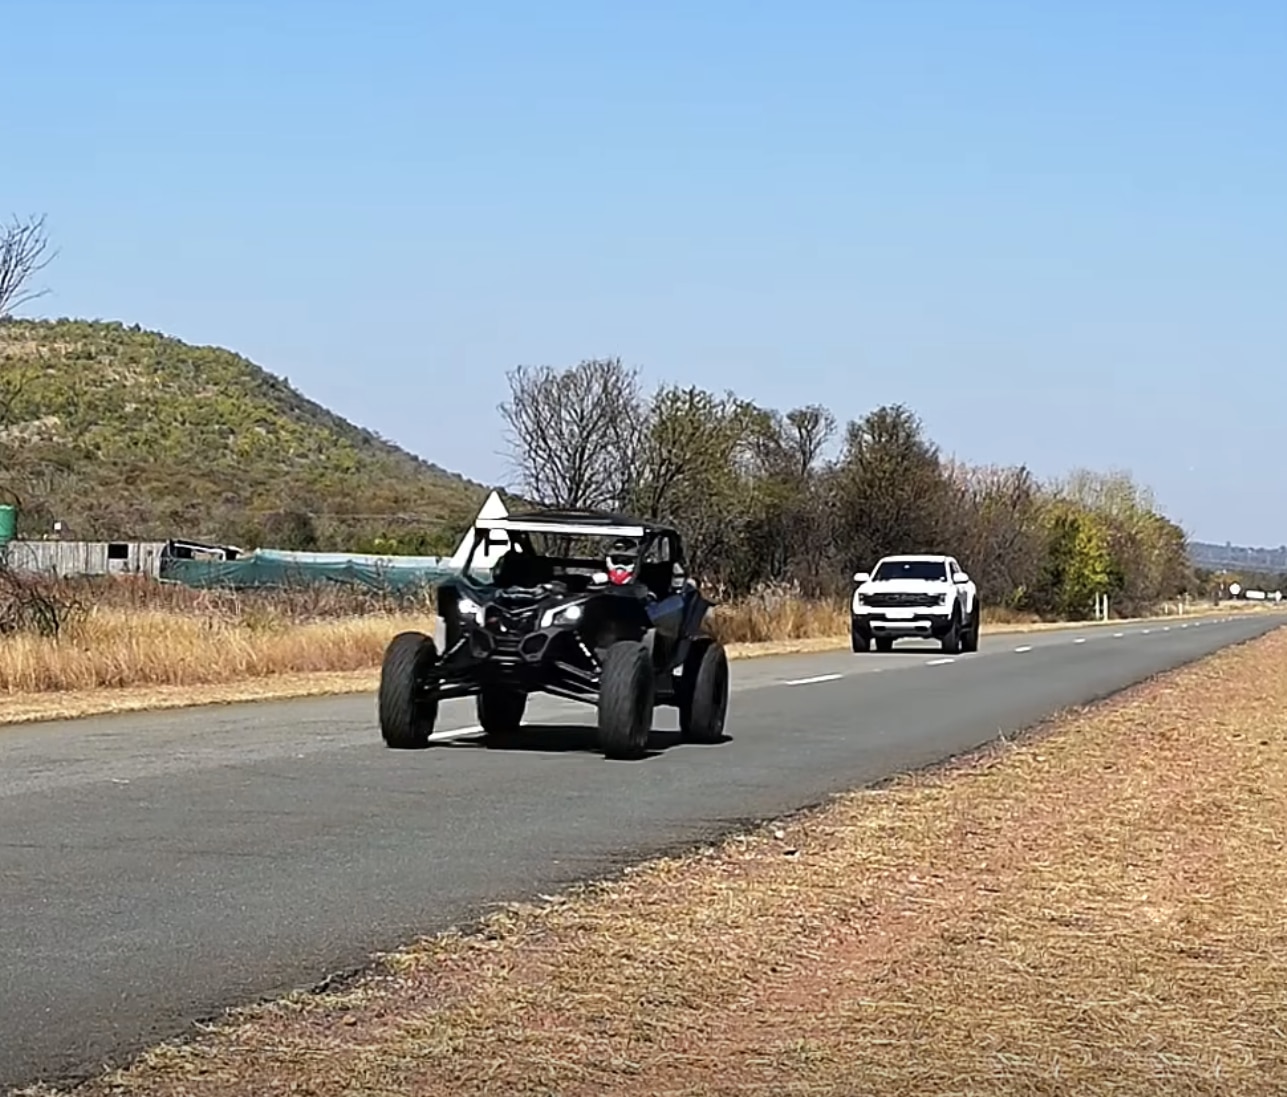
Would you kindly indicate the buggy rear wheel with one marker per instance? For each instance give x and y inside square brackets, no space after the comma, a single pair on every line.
[703,698]
[500,712]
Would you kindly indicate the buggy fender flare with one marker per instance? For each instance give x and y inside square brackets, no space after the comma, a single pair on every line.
[695,614]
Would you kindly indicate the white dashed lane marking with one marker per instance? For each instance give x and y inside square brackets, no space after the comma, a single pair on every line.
[812,681]
[940,662]
[1080,640]
[456,733]
[1026,647]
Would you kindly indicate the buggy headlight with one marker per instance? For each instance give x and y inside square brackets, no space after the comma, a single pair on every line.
[467,607]
[561,615]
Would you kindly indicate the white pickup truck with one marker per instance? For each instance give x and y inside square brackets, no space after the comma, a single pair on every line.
[923,597]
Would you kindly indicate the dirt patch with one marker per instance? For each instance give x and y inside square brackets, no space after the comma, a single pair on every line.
[1099,909]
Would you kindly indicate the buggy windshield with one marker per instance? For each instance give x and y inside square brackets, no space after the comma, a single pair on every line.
[534,556]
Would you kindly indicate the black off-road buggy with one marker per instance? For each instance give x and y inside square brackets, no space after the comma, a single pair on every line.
[589,606]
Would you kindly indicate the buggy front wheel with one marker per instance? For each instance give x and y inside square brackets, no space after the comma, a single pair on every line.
[407,704]
[626,700]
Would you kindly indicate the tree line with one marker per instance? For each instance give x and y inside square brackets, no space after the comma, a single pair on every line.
[764,496]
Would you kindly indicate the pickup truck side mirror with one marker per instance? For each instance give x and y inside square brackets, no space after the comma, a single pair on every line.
[861,577]
[960,577]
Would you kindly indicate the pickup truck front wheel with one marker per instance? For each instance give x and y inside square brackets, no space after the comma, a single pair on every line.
[951,642]
[970,637]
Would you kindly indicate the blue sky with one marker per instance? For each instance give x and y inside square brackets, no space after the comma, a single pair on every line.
[1057,231]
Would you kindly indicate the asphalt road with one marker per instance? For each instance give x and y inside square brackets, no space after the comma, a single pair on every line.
[157,868]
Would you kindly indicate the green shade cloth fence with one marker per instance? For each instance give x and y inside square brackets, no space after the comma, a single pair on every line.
[269,569]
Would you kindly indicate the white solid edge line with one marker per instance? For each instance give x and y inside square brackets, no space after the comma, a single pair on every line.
[940,662]
[811,681]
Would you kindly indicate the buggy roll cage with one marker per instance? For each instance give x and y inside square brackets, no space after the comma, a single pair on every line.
[573,523]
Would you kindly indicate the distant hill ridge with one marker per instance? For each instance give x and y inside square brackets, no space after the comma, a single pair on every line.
[1231,557]
[123,432]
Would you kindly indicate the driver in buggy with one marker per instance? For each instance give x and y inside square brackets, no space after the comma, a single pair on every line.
[623,557]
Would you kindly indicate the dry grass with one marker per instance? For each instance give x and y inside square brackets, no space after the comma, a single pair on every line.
[369,633]
[1098,910]
[138,645]
[111,648]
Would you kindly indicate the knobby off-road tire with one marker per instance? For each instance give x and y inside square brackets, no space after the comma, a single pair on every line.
[970,638]
[500,712]
[703,698]
[407,714]
[626,700]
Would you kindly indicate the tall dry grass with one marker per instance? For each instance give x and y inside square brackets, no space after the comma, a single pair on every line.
[124,633]
[132,633]
[111,648]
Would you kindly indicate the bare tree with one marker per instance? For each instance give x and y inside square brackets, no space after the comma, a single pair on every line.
[575,433]
[24,252]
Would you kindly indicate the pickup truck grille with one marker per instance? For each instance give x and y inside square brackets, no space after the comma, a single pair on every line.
[902,599]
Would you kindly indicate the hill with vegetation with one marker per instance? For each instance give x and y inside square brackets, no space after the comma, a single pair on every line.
[125,433]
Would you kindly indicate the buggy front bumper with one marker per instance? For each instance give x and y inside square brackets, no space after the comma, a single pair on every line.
[552,660]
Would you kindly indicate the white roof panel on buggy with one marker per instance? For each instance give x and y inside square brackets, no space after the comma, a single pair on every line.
[572,529]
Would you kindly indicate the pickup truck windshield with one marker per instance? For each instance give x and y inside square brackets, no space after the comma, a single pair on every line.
[932,570]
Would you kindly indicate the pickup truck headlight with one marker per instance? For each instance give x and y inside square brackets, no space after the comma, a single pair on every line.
[562,615]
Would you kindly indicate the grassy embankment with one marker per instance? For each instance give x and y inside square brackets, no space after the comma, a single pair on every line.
[139,645]
[1096,909]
